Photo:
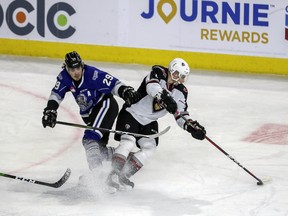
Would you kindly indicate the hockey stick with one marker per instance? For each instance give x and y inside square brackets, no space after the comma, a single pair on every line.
[57,184]
[260,182]
[152,136]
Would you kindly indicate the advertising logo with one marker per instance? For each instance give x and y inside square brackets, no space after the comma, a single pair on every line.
[286,24]
[210,11]
[19,18]
[214,12]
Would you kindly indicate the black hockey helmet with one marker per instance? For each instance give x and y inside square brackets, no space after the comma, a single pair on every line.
[73,60]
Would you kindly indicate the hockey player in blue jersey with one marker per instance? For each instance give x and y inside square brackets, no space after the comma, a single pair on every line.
[93,90]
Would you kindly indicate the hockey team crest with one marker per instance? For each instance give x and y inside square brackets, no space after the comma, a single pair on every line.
[82,102]
[157,106]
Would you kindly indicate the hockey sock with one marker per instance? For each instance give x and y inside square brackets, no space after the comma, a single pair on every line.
[132,166]
[107,153]
[93,153]
[118,162]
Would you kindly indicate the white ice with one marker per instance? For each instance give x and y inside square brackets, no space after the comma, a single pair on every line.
[185,176]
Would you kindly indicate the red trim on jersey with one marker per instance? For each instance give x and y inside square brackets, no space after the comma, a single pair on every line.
[152,81]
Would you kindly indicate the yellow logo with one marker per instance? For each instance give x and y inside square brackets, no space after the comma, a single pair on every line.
[167,17]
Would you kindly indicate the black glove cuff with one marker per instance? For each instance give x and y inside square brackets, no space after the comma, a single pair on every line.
[52,105]
[123,89]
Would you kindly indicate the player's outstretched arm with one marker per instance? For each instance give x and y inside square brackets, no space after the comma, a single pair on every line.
[129,95]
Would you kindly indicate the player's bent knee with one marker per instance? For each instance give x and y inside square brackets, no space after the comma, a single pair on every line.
[126,145]
[147,150]
[128,141]
[147,143]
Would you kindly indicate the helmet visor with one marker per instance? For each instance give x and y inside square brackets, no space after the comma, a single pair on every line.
[176,76]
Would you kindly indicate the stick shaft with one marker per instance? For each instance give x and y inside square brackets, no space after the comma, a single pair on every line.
[233,159]
[225,153]
[152,136]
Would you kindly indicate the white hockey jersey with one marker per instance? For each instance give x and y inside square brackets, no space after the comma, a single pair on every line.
[150,109]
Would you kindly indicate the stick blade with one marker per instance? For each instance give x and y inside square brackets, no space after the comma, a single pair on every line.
[265,180]
[260,183]
[63,179]
[160,133]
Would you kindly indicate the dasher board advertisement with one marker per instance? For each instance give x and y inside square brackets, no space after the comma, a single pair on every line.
[253,28]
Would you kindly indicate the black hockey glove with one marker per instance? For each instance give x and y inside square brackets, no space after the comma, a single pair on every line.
[169,102]
[197,131]
[49,118]
[130,95]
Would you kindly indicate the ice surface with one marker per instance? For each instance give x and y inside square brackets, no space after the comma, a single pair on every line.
[185,176]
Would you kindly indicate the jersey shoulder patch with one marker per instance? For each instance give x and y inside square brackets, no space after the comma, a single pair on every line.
[63,75]
[64,78]
[159,72]
[182,89]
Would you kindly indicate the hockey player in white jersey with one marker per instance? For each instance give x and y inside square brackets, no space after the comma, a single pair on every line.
[162,91]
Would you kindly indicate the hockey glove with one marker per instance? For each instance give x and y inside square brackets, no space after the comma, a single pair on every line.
[49,118]
[169,102]
[197,131]
[130,95]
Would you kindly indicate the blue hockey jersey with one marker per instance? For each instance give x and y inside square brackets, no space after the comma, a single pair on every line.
[92,87]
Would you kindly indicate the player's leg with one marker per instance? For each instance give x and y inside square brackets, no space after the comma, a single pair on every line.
[147,148]
[125,122]
[95,142]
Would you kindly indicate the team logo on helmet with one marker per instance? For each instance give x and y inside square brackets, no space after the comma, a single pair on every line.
[73,60]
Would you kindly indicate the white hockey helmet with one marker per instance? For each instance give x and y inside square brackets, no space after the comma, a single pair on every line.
[179,66]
